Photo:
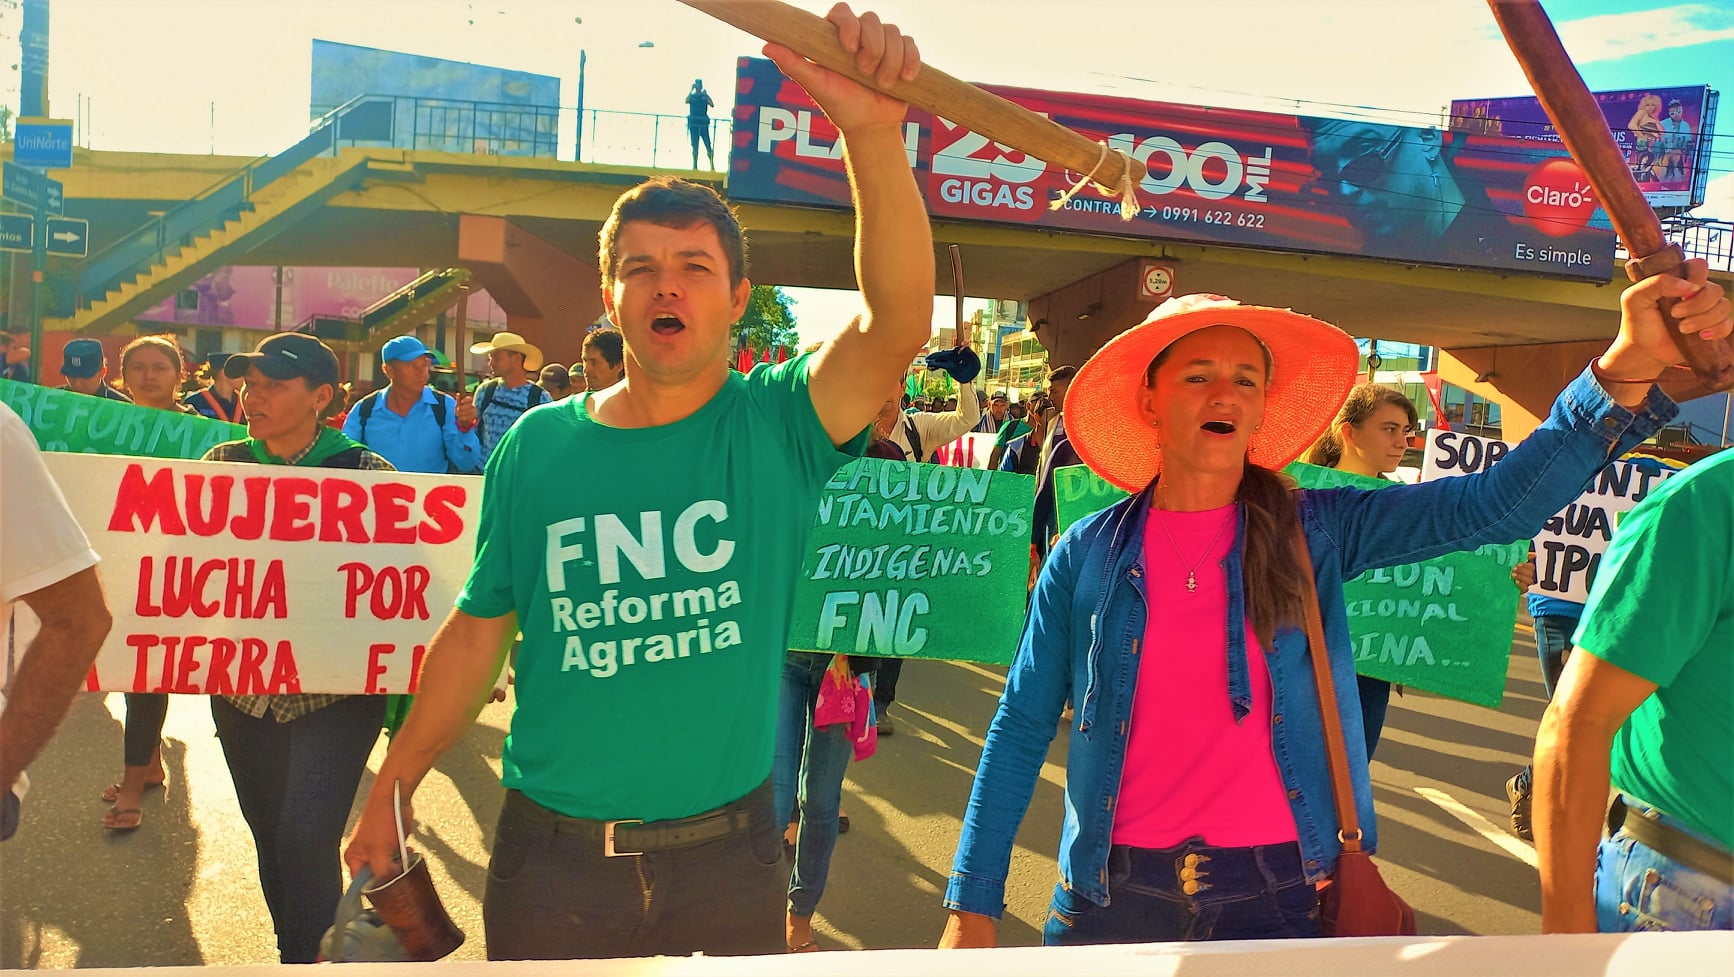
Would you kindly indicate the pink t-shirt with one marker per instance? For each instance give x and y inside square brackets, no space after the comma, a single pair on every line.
[1190,770]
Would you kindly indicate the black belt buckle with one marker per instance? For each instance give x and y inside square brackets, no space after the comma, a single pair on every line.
[608,849]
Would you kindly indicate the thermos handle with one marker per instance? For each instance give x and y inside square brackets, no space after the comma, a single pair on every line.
[349,906]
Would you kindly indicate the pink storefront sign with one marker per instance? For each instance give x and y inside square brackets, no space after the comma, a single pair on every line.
[245,297]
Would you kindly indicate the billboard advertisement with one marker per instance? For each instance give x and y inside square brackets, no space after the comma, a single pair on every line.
[1216,176]
[449,106]
[1665,134]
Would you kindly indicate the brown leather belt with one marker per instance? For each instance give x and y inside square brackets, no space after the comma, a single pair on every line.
[1633,817]
[629,836]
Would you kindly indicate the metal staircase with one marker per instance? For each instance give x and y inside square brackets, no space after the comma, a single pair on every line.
[245,209]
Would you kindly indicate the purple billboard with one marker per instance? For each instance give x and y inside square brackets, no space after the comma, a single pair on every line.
[1664,133]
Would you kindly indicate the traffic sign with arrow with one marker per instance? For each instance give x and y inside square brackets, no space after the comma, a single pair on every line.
[28,188]
[68,236]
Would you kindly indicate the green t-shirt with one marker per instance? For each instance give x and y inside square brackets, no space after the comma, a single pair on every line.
[653,572]
[1662,608]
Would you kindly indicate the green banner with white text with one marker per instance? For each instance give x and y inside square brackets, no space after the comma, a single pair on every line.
[63,420]
[916,561]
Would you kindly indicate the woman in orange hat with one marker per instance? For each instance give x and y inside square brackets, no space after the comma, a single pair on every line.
[1198,797]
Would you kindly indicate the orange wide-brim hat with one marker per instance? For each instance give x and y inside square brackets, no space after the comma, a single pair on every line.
[1314,366]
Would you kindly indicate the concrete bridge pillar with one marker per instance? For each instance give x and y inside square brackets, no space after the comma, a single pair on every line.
[550,297]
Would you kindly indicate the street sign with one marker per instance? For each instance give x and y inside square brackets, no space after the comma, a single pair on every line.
[15,232]
[29,188]
[44,144]
[68,236]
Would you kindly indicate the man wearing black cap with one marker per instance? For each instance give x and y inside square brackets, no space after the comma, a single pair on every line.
[222,399]
[296,759]
[85,367]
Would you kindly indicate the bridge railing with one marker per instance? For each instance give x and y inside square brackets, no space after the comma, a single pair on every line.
[1699,237]
[505,129]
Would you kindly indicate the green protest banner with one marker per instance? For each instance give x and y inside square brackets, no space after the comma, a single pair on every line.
[1079,492]
[916,561]
[66,421]
[1443,625]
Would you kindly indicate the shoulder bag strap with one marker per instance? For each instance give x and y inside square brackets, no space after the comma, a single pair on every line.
[1336,753]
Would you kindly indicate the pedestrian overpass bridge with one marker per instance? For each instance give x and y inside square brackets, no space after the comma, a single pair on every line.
[526,230]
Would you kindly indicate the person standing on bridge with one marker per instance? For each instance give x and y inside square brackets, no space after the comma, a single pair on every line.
[1199,800]
[698,106]
[296,760]
[1646,704]
[1369,437]
[655,604]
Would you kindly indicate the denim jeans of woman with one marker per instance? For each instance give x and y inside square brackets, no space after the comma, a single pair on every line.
[808,776]
[296,782]
[1191,892]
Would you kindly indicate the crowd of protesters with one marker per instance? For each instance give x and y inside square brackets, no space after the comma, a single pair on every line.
[1166,631]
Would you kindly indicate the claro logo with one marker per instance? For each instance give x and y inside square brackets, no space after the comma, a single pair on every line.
[1558,198]
[1214,170]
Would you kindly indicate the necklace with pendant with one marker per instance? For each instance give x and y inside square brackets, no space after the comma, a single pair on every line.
[1192,569]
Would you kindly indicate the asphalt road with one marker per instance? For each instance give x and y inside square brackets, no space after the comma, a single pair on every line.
[183,889]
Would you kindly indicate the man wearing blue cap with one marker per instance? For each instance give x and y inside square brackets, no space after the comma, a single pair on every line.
[85,367]
[411,425]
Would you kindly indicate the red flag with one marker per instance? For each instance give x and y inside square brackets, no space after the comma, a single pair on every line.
[767,358]
[744,362]
[782,353]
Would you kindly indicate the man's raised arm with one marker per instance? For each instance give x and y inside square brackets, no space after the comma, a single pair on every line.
[893,242]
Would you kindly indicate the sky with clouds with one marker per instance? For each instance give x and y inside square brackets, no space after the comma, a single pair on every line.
[233,77]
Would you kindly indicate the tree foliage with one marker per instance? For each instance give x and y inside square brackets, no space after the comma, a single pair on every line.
[769,321]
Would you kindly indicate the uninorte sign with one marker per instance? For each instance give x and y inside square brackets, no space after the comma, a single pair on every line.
[44,144]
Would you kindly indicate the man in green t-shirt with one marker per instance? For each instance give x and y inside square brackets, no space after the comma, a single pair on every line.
[1650,710]
[654,603]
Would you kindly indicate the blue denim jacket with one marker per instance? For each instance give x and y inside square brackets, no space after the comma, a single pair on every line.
[1087,620]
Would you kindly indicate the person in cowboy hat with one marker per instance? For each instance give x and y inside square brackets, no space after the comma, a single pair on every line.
[504,397]
[1198,795]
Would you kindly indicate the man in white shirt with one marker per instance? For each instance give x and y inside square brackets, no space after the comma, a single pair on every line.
[920,435]
[46,562]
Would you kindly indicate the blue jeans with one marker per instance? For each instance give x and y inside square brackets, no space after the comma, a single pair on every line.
[296,782]
[1639,889]
[1552,646]
[1191,892]
[1375,703]
[808,777]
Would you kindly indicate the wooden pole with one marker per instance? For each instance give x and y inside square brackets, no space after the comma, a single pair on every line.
[981,112]
[1574,112]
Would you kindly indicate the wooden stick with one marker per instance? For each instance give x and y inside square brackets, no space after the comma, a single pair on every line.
[1575,114]
[984,113]
[957,333]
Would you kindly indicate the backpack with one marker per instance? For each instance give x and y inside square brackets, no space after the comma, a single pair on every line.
[367,406]
[913,433]
[485,396]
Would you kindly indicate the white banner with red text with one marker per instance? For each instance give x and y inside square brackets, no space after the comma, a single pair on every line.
[246,579]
